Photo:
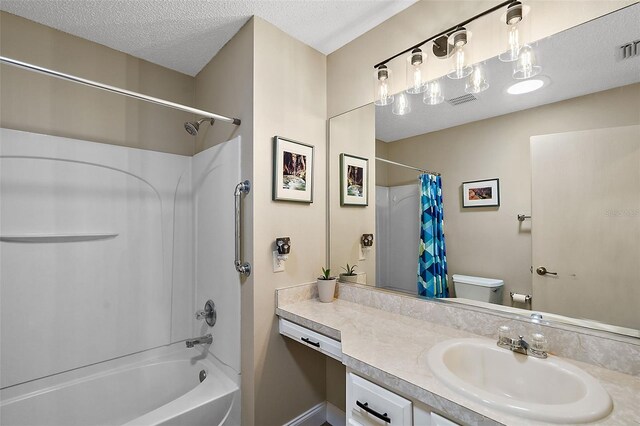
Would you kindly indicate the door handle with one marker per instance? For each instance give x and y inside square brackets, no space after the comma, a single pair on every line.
[541,270]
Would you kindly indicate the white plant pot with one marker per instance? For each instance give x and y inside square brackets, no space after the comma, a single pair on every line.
[326,290]
[349,278]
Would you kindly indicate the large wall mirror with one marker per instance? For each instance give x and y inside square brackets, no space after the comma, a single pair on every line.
[565,148]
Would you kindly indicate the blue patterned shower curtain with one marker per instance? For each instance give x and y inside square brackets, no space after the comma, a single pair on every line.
[432,255]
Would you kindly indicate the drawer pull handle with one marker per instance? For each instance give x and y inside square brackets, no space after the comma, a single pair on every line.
[373,412]
[309,341]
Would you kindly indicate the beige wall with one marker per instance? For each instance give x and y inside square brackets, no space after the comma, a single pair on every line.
[289,101]
[490,242]
[352,133]
[350,68]
[225,86]
[41,104]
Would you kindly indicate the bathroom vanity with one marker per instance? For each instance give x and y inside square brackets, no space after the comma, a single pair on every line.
[385,339]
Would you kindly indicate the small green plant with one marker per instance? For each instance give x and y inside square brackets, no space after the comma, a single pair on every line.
[350,270]
[326,275]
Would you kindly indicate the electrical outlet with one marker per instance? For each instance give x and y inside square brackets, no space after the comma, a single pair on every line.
[278,265]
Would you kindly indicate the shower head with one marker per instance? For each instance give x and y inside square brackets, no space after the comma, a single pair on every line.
[192,127]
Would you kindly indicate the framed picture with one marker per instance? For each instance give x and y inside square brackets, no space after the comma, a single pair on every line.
[354,180]
[481,193]
[292,171]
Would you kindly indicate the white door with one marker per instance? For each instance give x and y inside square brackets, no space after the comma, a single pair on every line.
[586,224]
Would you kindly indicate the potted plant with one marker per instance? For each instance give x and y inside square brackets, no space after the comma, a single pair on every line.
[326,286]
[349,275]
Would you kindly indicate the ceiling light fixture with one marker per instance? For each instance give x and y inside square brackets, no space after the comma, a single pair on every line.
[526,86]
[382,79]
[415,71]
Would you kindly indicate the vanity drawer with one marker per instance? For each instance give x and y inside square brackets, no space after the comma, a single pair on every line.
[314,340]
[370,404]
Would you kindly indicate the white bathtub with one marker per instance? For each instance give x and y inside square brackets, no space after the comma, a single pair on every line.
[156,388]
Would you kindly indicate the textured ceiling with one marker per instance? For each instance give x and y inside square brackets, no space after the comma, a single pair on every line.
[185,34]
[582,60]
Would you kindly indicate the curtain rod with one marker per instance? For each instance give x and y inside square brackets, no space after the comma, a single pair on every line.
[446,32]
[408,167]
[117,90]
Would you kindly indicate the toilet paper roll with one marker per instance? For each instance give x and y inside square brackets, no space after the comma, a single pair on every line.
[520,298]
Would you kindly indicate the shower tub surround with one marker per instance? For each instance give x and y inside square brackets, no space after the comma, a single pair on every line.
[111,247]
[386,337]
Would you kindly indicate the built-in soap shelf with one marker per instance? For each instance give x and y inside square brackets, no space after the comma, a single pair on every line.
[55,238]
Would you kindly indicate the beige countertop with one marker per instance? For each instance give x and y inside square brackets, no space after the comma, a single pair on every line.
[392,349]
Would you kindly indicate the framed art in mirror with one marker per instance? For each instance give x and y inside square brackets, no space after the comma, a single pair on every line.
[292,170]
[481,193]
[354,180]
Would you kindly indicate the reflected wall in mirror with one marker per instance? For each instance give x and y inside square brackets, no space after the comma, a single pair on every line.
[567,154]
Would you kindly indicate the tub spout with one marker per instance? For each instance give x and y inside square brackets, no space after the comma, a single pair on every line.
[203,340]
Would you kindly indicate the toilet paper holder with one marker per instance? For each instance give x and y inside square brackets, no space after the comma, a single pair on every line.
[527,297]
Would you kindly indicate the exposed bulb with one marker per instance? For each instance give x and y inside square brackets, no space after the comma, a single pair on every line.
[526,66]
[415,72]
[513,49]
[433,94]
[401,106]
[382,87]
[460,69]
[477,81]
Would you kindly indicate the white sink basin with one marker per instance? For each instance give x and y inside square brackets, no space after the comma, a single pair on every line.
[549,390]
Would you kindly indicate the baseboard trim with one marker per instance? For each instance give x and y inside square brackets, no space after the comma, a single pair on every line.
[315,416]
[335,416]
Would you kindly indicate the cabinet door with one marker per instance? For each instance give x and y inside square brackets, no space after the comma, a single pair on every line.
[370,404]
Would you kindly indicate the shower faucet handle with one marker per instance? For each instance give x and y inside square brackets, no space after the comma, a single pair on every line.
[208,314]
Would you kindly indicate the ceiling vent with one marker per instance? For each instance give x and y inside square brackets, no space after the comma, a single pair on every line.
[630,50]
[462,99]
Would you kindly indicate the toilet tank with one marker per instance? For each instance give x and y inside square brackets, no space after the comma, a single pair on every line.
[478,288]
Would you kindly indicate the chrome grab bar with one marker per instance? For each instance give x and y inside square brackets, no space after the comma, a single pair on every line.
[243,267]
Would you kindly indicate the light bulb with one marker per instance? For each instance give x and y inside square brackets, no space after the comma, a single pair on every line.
[382,86]
[401,106]
[433,94]
[477,81]
[526,66]
[415,72]
[513,18]
[460,69]
[513,49]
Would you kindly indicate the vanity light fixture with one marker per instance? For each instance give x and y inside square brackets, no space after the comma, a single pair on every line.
[477,81]
[382,83]
[526,86]
[433,95]
[415,71]
[452,43]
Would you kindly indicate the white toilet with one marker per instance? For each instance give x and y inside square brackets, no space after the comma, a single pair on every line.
[477,288]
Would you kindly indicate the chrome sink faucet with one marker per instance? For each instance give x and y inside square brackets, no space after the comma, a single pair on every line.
[536,349]
[207,339]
